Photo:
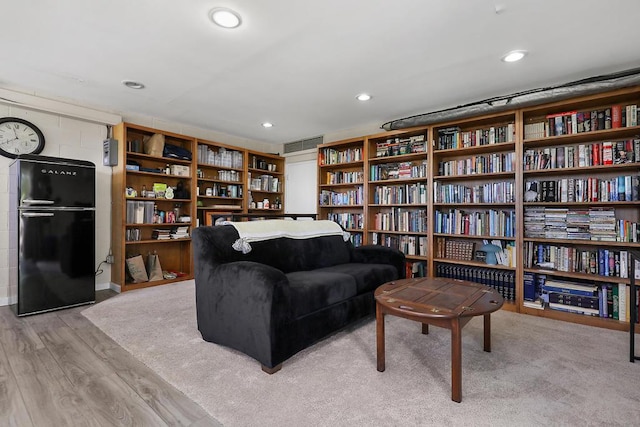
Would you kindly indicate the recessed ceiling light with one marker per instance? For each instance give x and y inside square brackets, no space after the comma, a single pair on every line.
[514,55]
[225,18]
[267,125]
[133,85]
[363,97]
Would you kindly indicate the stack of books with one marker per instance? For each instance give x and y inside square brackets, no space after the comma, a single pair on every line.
[571,297]
[160,234]
[180,232]
[602,224]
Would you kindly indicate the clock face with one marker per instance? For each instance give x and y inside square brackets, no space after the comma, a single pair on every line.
[18,136]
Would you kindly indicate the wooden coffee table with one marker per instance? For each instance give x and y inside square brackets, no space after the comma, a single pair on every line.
[447,303]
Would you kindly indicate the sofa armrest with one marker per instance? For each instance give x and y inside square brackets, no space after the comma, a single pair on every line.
[241,305]
[376,254]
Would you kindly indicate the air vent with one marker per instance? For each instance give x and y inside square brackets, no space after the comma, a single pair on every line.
[303,144]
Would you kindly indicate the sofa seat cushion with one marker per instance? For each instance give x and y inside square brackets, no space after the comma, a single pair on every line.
[317,289]
[367,276]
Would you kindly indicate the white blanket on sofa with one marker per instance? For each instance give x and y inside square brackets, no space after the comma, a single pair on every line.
[254,231]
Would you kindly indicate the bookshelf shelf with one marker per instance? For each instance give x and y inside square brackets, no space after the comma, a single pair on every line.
[421,233]
[473,263]
[603,135]
[344,165]
[398,158]
[581,170]
[478,149]
[342,184]
[475,176]
[479,237]
[474,205]
[581,276]
[582,242]
[582,204]
[135,155]
[159,241]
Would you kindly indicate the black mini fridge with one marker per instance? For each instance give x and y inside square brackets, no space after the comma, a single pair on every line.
[51,233]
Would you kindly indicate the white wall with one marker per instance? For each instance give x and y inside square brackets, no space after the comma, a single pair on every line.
[301,182]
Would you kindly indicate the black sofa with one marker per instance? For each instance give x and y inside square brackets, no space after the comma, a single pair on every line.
[286,293]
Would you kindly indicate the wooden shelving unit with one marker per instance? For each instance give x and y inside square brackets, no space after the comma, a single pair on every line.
[397,194]
[134,236]
[482,166]
[215,182]
[341,190]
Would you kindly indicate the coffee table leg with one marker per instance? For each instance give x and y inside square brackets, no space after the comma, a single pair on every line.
[456,361]
[425,328]
[487,333]
[380,337]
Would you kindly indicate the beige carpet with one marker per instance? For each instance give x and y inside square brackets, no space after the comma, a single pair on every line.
[541,372]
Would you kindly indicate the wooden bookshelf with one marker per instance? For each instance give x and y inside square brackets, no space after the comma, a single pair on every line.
[341,190]
[486,164]
[174,254]
[216,181]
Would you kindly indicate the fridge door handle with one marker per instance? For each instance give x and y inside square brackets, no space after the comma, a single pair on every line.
[36,214]
[37,202]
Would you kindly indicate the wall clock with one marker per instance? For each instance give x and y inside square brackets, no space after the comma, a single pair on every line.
[18,136]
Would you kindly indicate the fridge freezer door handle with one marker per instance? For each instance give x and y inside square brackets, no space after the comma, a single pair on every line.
[37,202]
[36,214]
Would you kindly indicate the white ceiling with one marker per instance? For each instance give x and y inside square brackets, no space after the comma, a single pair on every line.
[300,64]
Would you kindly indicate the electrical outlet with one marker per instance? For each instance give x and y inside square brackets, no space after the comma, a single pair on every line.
[109,259]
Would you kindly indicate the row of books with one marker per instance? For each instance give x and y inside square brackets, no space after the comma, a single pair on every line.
[454,249]
[492,192]
[486,163]
[454,137]
[356,239]
[344,198]
[583,155]
[622,188]
[502,281]
[603,262]
[331,156]
[580,224]
[401,145]
[401,170]
[415,269]
[348,221]
[400,219]
[572,122]
[408,245]
[180,232]
[220,157]
[407,193]
[356,177]
[497,223]
[607,300]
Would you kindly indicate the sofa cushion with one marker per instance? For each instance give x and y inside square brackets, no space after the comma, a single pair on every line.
[317,289]
[367,276]
[215,244]
[290,255]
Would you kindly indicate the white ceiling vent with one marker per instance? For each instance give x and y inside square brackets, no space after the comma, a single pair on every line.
[303,144]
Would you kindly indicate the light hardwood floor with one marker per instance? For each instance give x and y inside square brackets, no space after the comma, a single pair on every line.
[58,369]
